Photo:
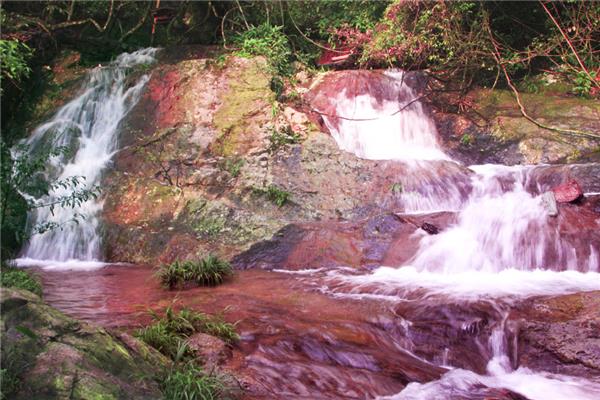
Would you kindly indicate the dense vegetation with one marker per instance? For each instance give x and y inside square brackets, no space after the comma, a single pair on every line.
[461,44]
[19,279]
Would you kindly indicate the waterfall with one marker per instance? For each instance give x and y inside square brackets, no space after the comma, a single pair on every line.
[88,126]
[502,246]
[500,224]
[393,126]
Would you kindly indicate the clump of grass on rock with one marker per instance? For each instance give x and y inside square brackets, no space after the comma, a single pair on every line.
[188,381]
[210,271]
[168,332]
[185,380]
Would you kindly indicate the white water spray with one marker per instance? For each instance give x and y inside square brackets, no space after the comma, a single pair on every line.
[89,125]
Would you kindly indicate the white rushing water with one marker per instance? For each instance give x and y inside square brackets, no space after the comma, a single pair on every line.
[387,129]
[502,245]
[88,125]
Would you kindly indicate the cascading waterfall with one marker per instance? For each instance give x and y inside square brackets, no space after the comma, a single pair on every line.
[88,126]
[501,246]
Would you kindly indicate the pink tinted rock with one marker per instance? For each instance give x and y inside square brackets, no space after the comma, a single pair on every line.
[568,192]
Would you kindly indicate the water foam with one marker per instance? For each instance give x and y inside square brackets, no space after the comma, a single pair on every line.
[470,285]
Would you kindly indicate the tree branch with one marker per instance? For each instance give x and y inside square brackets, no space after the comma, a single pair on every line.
[497,57]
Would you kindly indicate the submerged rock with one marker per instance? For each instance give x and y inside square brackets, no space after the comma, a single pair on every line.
[210,350]
[52,356]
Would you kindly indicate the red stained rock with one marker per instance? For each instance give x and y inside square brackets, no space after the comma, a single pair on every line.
[568,192]
[334,57]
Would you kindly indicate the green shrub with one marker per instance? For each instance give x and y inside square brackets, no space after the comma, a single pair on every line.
[189,382]
[20,279]
[210,271]
[268,41]
[583,83]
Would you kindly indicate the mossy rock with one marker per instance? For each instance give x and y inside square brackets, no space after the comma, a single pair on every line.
[51,356]
[248,94]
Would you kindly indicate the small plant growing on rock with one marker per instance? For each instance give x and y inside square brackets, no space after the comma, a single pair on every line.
[188,381]
[210,226]
[396,188]
[210,271]
[283,137]
[168,334]
[232,165]
[169,331]
[466,140]
[274,194]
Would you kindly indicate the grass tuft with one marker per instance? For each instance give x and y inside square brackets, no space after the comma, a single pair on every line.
[189,382]
[274,194]
[210,271]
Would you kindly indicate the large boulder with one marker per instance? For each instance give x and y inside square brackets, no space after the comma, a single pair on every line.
[560,334]
[493,130]
[48,355]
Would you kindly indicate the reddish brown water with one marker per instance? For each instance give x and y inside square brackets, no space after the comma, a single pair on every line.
[296,342]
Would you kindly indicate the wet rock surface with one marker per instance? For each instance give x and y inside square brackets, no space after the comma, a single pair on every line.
[561,334]
[385,239]
[195,165]
[57,357]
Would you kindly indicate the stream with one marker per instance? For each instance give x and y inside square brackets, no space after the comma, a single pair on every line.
[437,327]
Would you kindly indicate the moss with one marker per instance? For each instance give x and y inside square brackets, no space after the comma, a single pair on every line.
[247,93]
[61,357]
[93,390]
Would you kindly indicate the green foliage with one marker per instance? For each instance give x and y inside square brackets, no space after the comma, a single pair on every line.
[280,138]
[397,188]
[583,83]
[169,331]
[209,271]
[466,140]
[210,226]
[268,41]
[14,363]
[189,382]
[25,171]
[233,165]
[168,334]
[14,56]
[20,279]
[276,195]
